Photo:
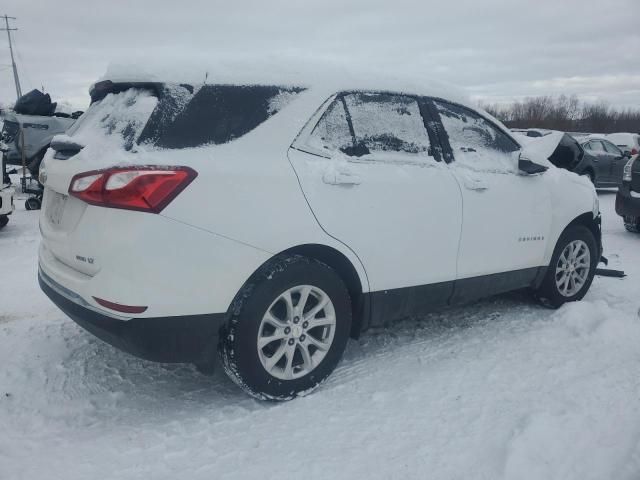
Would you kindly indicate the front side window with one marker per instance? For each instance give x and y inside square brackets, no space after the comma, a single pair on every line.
[475,141]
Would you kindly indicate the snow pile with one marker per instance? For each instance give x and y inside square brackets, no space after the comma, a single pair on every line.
[502,389]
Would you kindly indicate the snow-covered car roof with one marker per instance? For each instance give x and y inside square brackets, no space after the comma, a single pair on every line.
[624,139]
[327,77]
[319,79]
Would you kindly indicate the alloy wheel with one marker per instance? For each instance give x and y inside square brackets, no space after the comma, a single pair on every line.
[572,269]
[296,332]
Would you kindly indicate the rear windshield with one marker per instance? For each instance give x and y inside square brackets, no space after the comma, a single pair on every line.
[182,116]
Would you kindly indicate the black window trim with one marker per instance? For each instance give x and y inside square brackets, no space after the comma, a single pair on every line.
[443,136]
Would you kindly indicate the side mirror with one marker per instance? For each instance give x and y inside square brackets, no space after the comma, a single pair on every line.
[530,168]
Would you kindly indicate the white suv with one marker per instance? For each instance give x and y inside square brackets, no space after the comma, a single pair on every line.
[273,222]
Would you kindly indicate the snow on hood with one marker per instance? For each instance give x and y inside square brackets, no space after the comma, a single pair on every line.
[539,149]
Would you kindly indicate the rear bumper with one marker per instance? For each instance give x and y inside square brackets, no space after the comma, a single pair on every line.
[626,204]
[177,339]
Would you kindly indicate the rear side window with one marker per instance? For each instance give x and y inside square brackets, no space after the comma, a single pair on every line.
[363,123]
[214,114]
[332,131]
[597,146]
[387,123]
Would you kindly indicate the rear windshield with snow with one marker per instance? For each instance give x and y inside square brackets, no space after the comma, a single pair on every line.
[182,116]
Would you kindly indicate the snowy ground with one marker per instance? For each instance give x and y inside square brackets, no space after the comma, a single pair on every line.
[500,389]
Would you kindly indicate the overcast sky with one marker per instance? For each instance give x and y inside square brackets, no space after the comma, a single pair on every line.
[496,50]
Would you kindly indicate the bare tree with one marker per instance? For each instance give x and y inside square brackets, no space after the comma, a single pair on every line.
[565,113]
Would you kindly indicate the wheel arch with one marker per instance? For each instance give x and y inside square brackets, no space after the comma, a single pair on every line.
[360,303]
[589,221]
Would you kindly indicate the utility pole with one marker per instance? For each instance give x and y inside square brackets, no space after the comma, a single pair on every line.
[13,62]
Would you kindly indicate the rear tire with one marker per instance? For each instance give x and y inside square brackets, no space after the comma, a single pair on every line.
[301,356]
[4,219]
[632,224]
[568,279]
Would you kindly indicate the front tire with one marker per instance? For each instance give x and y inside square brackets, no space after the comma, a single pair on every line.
[288,328]
[572,268]
[632,224]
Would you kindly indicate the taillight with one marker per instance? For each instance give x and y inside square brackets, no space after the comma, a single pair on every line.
[146,188]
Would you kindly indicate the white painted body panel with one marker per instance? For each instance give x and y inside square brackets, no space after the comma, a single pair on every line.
[146,259]
[401,219]
[507,221]
[401,226]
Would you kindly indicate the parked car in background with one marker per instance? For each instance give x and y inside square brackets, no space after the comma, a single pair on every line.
[274,221]
[35,118]
[628,197]
[627,142]
[565,151]
[604,161]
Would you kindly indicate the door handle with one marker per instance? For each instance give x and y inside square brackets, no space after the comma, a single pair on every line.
[341,178]
[475,184]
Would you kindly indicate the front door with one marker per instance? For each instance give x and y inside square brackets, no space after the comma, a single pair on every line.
[506,216]
[604,162]
[370,176]
[618,161]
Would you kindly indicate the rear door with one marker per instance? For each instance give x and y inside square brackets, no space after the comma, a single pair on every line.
[374,182]
[506,216]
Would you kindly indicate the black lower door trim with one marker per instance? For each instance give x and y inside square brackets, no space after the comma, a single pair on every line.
[395,304]
[474,288]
